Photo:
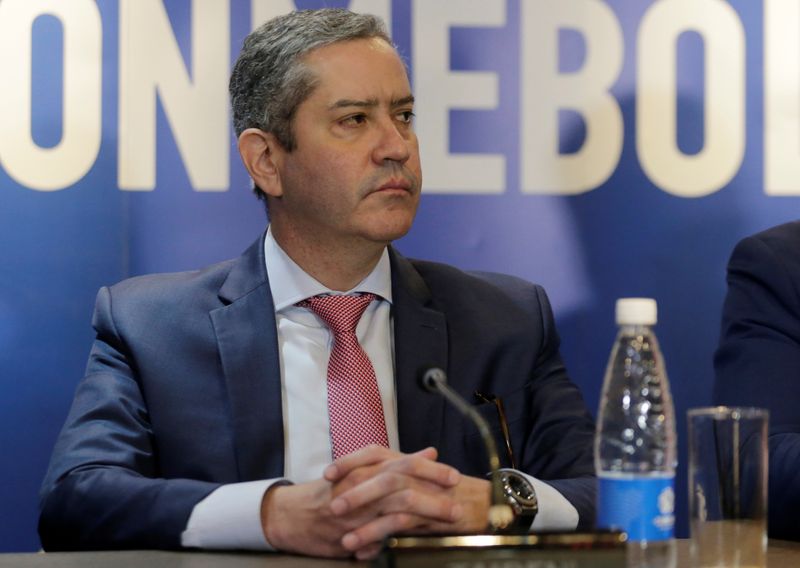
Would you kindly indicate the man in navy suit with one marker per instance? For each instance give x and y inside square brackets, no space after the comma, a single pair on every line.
[202,419]
[758,360]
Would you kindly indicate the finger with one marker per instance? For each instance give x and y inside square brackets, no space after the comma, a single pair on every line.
[368,485]
[421,467]
[370,491]
[429,453]
[375,531]
[433,506]
[370,455]
[369,552]
[393,492]
[364,457]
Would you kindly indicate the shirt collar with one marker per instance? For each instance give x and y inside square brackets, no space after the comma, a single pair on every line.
[290,284]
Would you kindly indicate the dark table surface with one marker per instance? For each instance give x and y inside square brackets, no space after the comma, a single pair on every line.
[780,554]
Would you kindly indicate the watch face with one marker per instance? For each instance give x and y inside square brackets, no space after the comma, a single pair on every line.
[521,490]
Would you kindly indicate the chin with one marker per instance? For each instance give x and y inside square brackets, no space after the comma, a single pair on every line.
[385,223]
[389,232]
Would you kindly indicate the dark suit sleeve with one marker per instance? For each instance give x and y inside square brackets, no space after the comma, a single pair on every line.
[559,444]
[758,359]
[551,429]
[103,490]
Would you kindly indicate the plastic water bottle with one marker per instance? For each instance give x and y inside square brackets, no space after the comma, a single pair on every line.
[635,443]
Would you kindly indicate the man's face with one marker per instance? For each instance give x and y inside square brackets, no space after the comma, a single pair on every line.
[355,173]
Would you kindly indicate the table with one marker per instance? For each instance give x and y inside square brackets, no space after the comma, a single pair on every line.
[781,554]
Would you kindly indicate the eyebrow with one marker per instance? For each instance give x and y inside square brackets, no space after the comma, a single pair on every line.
[369,103]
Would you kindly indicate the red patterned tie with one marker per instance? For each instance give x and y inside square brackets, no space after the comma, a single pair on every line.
[354,402]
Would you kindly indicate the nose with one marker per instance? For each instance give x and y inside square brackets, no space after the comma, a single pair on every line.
[393,143]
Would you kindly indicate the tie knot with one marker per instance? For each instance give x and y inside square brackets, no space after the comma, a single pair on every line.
[340,313]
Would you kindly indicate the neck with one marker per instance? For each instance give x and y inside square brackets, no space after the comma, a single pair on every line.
[338,266]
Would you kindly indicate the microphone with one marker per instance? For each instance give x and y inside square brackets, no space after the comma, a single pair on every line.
[500,514]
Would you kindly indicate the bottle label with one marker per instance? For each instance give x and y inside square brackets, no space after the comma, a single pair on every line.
[643,507]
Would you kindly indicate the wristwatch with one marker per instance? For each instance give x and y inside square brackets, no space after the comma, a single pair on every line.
[521,497]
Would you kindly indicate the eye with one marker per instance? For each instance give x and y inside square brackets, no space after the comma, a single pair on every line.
[406,116]
[353,120]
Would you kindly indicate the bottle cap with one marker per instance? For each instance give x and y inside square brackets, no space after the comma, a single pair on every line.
[637,311]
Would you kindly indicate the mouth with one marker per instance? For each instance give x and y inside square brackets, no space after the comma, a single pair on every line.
[395,184]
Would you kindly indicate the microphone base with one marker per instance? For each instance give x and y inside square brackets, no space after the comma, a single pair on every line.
[602,549]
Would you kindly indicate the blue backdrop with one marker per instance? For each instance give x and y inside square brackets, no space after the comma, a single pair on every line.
[602,149]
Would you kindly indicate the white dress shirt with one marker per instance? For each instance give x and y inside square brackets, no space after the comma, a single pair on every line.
[230,517]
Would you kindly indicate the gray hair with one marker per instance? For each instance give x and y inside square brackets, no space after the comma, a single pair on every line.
[270,80]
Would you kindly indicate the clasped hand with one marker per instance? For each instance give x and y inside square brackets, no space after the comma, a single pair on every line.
[368,495]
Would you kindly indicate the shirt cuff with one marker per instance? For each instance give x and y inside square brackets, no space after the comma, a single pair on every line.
[556,513]
[230,518]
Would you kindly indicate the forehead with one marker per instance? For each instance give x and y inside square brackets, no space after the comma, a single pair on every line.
[359,68]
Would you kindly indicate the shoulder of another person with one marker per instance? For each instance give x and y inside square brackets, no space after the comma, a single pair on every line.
[770,253]
[782,239]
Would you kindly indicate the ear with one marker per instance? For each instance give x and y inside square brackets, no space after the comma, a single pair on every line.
[262,155]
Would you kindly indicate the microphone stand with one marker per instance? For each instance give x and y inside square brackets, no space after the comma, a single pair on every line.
[500,513]
[605,549]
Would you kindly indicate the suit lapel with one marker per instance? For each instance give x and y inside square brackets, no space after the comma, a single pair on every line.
[248,348]
[420,342]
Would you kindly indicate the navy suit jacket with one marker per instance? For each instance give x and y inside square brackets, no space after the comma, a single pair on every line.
[758,360]
[182,393]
